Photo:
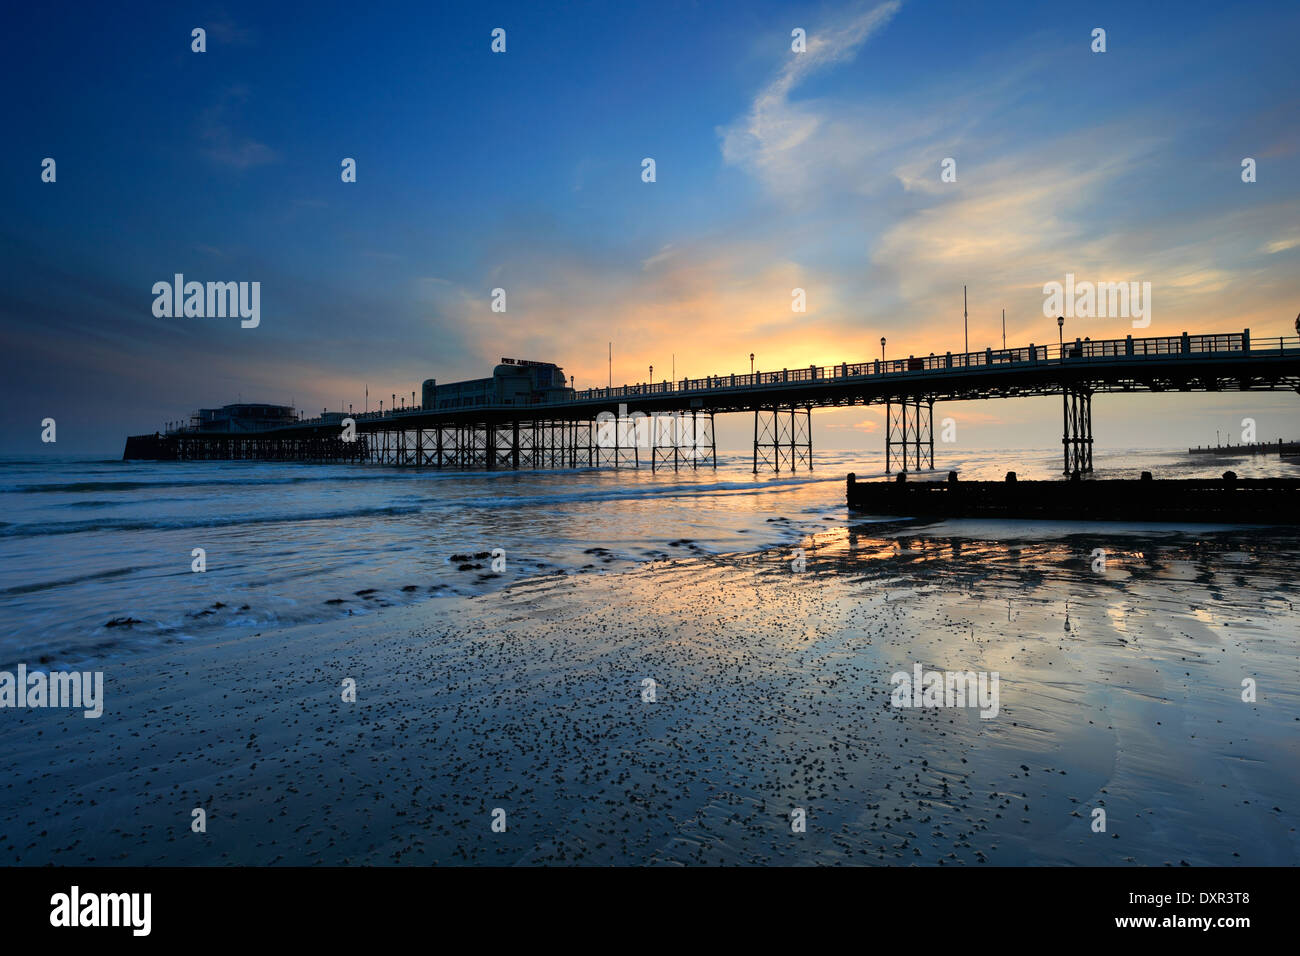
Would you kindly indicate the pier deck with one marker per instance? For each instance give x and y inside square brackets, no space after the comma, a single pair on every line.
[596,427]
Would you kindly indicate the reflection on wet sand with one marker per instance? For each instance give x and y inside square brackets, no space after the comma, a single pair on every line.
[1120,689]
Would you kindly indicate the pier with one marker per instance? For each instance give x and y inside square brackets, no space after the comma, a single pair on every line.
[643,424]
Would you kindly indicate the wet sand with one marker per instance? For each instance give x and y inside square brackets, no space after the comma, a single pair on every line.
[1119,689]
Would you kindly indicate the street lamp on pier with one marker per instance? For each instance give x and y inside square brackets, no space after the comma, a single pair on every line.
[751,363]
[882,348]
[1060,330]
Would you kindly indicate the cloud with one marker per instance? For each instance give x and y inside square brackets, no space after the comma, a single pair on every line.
[885,243]
[660,257]
[230,33]
[222,144]
[708,302]
[1281,245]
[770,138]
[865,425]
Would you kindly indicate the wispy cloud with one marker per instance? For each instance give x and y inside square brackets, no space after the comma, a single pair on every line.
[225,30]
[222,143]
[862,169]
[769,139]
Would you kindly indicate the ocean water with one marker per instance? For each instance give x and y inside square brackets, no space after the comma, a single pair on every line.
[95,555]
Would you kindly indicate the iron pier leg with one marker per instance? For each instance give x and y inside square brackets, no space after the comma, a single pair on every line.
[1065,438]
[1085,404]
[677,436]
[713,440]
[695,440]
[809,410]
[794,455]
[889,428]
[931,404]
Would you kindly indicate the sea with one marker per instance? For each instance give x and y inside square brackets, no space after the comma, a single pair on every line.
[99,558]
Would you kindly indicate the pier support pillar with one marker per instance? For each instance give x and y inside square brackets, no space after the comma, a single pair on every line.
[909,434]
[801,438]
[713,443]
[1076,440]
[704,446]
[782,438]
[668,438]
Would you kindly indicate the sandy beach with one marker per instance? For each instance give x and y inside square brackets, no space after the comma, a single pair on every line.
[1119,689]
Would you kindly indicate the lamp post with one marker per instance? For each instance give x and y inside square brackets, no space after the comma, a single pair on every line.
[751,362]
[1060,331]
[882,348]
[652,374]
[965,319]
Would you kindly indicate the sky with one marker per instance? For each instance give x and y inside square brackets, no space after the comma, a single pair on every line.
[523,170]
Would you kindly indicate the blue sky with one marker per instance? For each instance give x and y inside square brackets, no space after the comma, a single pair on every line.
[522,171]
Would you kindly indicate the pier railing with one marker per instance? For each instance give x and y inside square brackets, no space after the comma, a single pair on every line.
[1066,354]
[1080,350]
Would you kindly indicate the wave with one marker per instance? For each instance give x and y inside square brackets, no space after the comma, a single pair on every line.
[125,524]
[648,492]
[65,582]
[253,480]
[249,481]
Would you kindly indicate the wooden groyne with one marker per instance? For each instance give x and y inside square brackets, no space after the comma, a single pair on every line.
[1269,501]
[1279,447]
